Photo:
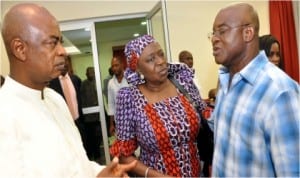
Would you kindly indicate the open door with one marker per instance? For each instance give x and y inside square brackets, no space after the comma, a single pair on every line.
[96,38]
[158,26]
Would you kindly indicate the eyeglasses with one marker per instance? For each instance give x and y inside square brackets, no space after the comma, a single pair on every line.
[223,30]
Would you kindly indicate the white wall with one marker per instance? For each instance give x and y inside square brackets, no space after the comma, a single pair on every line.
[188,22]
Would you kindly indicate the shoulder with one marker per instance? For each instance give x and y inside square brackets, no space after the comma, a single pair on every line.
[111,81]
[127,91]
[181,72]
[52,94]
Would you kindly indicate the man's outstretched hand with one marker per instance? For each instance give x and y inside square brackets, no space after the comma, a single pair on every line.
[114,169]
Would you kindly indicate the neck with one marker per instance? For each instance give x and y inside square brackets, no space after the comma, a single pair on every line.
[156,87]
[120,77]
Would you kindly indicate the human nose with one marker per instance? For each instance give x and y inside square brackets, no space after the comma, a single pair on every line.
[61,50]
[161,59]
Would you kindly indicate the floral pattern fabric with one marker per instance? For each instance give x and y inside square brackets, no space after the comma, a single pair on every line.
[165,131]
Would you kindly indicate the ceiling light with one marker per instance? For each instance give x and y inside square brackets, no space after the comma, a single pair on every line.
[72,50]
[143,23]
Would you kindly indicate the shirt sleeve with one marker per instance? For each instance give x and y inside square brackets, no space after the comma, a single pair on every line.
[126,142]
[282,134]
[110,99]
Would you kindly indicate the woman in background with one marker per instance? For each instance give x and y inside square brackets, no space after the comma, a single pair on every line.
[152,114]
[271,46]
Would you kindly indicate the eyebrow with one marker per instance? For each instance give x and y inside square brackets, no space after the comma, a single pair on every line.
[56,38]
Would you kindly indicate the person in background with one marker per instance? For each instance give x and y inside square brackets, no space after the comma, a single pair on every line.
[152,114]
[105,84]
[271,46]
[37,132]
[205,150]
[2,80]
[114,85]
[92,125]
[105,93]
[68,85]
[256,116]
[186,57]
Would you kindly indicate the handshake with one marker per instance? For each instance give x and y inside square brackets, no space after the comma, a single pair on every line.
[114,169]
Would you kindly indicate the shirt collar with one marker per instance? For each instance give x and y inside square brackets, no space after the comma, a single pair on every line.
[22,90]
[251,71]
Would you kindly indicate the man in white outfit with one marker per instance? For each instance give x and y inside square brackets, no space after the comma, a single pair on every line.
[37,132]
[117,82]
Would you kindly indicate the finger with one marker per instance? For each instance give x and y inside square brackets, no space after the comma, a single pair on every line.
[113,164]
[125,175]
[128,167]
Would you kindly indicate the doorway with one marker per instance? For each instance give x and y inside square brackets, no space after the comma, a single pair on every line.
[92,42]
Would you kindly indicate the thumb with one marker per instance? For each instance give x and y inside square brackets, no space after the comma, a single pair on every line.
[113,164]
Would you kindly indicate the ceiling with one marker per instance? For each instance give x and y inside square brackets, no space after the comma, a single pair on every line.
[111,31]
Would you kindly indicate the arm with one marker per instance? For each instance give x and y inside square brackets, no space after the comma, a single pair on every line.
[111,125]
[283,130]
[110,108]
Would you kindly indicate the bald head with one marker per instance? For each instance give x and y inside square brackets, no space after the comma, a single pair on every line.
[33,43]
[235,40]
[186,57]
[21,21]
[241,13]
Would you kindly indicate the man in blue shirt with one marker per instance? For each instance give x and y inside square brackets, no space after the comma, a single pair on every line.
[256,118]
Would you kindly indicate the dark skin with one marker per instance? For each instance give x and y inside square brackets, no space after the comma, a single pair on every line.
[118,70]
[187,58]
[33,41]
[237,42]
[153,65]
[34,47]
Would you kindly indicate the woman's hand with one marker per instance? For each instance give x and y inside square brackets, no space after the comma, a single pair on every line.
[114,169]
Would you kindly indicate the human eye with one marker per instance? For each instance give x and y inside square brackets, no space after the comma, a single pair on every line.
[222,31]
[52,43]
[161,54]
[150,58]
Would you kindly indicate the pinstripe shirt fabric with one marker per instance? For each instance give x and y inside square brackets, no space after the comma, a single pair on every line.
[256,122]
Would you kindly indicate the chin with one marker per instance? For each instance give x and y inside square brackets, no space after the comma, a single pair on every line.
[218,61]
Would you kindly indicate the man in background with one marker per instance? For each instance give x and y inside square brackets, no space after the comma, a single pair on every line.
[89,98]
[117,82]
[68,85]
[186,57]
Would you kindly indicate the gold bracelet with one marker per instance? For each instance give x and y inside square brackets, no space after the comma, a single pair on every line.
[146,172]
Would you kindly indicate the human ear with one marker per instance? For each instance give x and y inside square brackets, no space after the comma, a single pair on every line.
[18,48]
[248,33]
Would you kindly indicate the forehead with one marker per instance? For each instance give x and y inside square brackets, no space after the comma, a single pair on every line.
[275,46]
[227,17]
[186,55]
[151,48]
[46,26]
[115,61]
